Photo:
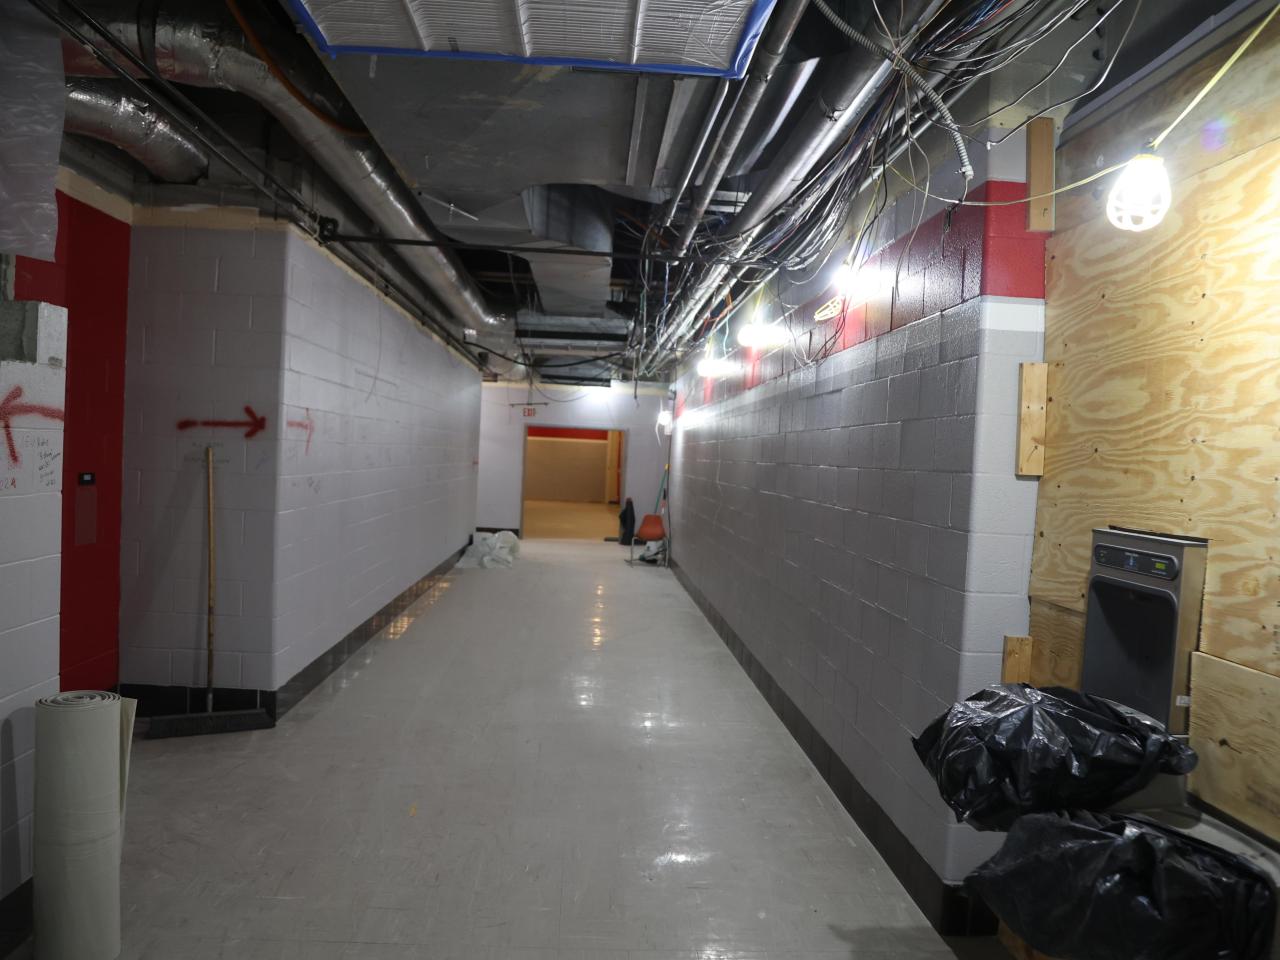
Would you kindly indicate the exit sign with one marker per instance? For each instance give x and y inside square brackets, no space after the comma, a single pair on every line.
[530,411]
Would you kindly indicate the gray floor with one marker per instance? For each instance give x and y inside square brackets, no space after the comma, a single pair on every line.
[559,760]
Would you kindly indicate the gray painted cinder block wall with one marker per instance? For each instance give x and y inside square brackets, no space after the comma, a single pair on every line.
[860,527]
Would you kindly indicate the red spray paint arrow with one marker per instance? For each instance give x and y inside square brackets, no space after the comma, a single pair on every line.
[253,426]
[10,408]
[308,425]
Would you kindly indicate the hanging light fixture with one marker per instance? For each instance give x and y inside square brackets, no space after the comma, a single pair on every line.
[1141,195]
[761,335]
[711,367]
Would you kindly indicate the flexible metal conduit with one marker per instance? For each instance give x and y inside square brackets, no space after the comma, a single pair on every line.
[902,65]
[766,60]
[101,110]
[207,50]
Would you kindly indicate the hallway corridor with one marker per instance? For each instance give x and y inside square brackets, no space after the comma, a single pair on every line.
[558,760]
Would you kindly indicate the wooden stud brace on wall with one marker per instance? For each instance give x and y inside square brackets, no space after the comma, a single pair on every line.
[1040,173]
[1033,399]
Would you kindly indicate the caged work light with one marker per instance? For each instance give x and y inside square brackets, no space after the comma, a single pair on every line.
[1141,195]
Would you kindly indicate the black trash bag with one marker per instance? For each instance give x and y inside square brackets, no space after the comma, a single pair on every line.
[1085,886]
[627,523]
[1012,749]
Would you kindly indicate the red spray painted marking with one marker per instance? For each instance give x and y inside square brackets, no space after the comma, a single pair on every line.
[10,408]
[308,425]
[253,426]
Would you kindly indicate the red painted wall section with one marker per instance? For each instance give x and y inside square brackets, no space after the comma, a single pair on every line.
[90,277]
[568,433]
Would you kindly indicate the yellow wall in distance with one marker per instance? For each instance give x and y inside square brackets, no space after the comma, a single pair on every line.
[557,468]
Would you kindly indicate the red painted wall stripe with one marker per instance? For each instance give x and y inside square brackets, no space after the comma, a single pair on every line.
[568,433]
[90,277]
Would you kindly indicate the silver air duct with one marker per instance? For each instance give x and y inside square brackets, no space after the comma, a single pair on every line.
[205,49]
[101,110]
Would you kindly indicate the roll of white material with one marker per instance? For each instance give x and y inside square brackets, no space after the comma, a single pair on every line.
[82,769]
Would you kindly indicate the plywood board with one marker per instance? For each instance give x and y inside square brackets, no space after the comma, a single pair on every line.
[1041,139]
[1032,397]
[1058,653]
[1016,667]
[1235,729]
[1164,398]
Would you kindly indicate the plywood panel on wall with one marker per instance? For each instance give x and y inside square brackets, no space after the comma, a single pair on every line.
[1234,718]
[1164,403]
[1164,385]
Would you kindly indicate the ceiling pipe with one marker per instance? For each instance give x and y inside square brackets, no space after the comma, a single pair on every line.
[101,110]
[846,95]
[767,57]
[695,151]
[207,50]
[849,91]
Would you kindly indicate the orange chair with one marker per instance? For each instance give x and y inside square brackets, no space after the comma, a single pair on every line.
[651,528]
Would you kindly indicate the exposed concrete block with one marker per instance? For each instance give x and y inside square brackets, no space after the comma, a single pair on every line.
[33,332]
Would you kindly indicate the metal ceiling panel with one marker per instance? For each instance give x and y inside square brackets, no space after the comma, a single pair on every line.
[704,37]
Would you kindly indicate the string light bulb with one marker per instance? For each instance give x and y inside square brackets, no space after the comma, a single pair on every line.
[844,279]
[761,335]
[711,367]
[1141,195]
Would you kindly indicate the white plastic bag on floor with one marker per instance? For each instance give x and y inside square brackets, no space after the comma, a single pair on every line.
[491,550]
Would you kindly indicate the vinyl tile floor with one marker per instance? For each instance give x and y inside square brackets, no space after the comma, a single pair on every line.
[557,761]
[560,519]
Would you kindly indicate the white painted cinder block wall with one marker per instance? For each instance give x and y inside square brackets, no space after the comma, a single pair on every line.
[502,428]
[310,540]
[860,527]
[30,568]
[204,341]
[386,489]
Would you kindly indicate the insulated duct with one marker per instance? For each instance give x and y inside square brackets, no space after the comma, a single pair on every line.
[194,45]
[102,110]
[576,216]
[781,27]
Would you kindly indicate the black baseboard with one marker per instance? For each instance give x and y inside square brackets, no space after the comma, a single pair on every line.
[15,918]
[515,530]
[155,700]
[948,907]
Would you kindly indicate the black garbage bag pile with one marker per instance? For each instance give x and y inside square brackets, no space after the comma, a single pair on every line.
[1083,886]
[1012,749]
